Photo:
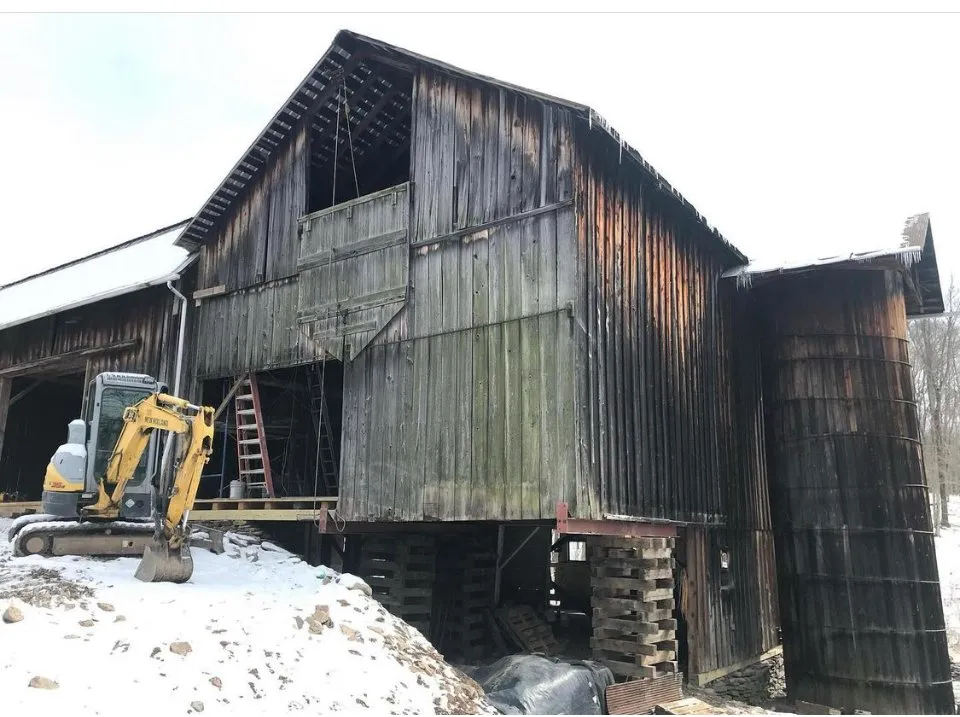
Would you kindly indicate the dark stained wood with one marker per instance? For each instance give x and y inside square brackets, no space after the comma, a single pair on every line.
[124,333]
[6,385]
[260,241]
[850,497]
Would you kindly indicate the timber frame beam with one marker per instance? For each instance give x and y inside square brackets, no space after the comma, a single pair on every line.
[619,528]
[5,386]
[48,362]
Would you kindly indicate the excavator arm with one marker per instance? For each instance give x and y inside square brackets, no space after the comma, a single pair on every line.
[189,467]
[157,411]
[167,559]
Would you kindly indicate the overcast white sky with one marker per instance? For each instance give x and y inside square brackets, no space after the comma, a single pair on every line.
[796,135]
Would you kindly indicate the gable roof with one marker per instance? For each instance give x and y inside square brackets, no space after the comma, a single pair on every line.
[913,252]
[366,59]
[145,261]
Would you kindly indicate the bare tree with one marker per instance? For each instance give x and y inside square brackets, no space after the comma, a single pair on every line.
[935,355]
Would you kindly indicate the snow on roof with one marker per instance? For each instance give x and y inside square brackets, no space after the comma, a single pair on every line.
[914,251]
[908,249]
[744,274]
[136,264]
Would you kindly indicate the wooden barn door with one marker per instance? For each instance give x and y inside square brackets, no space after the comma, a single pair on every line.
[354,264]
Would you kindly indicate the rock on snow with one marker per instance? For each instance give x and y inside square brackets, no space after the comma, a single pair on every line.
[247,617]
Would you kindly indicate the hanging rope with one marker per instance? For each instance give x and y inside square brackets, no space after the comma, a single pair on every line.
[353,157]
[336,146]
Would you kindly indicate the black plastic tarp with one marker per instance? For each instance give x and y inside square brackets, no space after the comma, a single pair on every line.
[536,684]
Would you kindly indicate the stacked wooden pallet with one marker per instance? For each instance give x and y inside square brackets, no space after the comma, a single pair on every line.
[634,631]
[400,570]
[471,566]
[529,629]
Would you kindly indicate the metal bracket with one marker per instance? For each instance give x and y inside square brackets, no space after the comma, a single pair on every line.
[617,528]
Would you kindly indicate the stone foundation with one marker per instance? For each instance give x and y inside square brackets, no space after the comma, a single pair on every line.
[754,684]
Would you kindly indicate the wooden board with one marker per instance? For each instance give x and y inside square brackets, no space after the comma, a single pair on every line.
[685,706]
[640,696]
[529,629]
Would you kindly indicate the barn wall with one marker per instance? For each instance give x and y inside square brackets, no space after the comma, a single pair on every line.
[253,263]
[259,240]
[140,316]
[655,410]
[251,329]
[462,408]
[670,400]
[733,614]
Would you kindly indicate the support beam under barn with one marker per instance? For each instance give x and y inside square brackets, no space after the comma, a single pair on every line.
[5,384]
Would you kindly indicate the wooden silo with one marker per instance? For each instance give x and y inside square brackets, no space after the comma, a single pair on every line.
[860,604]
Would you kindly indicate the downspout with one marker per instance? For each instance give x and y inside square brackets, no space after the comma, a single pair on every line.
[168,444]
[183,330]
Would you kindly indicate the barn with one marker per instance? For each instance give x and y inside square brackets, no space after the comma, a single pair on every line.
[473,310]
[114,310]
[465,342]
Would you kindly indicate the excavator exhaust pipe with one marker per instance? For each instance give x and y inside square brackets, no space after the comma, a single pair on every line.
[163,564]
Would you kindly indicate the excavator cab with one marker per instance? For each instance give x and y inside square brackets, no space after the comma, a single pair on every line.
[71,479]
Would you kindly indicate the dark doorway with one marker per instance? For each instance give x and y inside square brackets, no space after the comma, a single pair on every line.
[303,438]
[36,426]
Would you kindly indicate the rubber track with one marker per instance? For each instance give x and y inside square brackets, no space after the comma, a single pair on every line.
[73,528]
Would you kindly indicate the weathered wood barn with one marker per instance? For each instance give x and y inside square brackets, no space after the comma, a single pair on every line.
[110,311]
[468,344]
[516,320]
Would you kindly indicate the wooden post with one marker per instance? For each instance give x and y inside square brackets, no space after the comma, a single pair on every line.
[634,628]
[87,378]
[5,385]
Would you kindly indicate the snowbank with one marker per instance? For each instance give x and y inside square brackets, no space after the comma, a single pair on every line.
[255,631]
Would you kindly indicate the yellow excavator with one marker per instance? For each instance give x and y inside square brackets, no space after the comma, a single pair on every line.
[102,486]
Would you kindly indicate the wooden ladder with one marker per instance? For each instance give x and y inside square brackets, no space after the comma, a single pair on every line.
[252,459]
[319,408]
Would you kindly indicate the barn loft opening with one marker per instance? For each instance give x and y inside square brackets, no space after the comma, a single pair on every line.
[360,136]
[301,418]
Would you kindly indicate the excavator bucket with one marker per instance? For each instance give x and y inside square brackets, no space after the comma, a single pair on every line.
[163,564]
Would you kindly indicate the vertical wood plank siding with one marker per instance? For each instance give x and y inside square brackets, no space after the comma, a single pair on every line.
[259,242]
[254,257]
[659,437]
[251,329]
[139,316]
[740,620]
[668,386]
[862,615]
[462,408]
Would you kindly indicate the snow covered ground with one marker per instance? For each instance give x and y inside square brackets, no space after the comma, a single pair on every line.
[948,561]
[255,631]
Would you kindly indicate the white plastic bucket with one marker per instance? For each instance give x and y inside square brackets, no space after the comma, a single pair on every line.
[236,490]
